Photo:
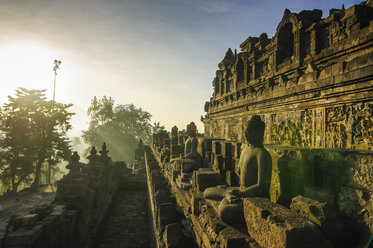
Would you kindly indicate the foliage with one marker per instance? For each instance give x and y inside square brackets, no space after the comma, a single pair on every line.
[120,126]
[157,127]
[76,141]
[33,132]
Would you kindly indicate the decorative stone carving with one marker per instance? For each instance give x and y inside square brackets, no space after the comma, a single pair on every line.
[350,126]
[93,158]
[292,128]
[74,166]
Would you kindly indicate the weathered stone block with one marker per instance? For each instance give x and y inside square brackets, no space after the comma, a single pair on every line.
[42,211]
[226,149]
[162,196]
[23,237]
[208,144]
[231,178]
[357,204]
[219,162]
[188,165]
[166,214]
[173,236]
[29,219]
[200,147]
[203,179]
[363,60]
[166,142]
[174,175]
[236,150]
[337,69]
[216,147]
[58,209]
[209,217]
[159,186]
[157,179]
[310,209]
[176,150]
[228,165]
[274,226]
[195,202]
[232,238]
[155,172]
[24,220]
[207,159]
[181,138]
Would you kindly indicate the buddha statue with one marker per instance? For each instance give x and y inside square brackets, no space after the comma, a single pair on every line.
[186,164]
[173,136]
[190,148]
[255,170]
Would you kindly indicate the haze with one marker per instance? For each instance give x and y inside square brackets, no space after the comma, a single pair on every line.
[160,55]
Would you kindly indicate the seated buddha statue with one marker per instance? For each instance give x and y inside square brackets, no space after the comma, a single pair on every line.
[255,170]
[190,148]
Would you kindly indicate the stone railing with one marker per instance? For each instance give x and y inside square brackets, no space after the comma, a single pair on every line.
[168,224]
[73,220]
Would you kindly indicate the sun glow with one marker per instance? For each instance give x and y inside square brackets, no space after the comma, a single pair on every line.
[28,65]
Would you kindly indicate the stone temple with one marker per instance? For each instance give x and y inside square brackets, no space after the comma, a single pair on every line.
[286,158]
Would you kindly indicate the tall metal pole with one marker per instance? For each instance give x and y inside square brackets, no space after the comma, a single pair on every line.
[56,66]
[54,86]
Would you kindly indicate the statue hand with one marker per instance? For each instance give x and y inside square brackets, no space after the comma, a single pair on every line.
[235,192]
[232,199]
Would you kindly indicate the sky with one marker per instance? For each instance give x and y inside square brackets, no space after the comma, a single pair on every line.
[160,55]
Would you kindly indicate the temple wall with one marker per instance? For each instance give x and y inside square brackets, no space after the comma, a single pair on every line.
[322,98]
[312,85]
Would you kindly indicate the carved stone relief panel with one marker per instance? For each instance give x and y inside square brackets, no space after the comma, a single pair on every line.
[215,129]
[292,128]
[267,120]
[319,130]
[336,133]
[244,121]
[232,128]
[361,122]
[350,126]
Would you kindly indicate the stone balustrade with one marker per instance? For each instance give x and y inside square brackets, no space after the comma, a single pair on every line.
[81,203]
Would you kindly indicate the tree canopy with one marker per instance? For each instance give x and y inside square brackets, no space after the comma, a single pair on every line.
[120,126]
[33,131]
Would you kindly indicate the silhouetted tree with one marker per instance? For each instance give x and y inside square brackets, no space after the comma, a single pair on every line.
[157,127]
[33,132]
[120,126]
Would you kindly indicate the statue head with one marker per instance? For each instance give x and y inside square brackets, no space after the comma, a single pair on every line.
[191,129]
[254,132]
[75,158]
[174,131]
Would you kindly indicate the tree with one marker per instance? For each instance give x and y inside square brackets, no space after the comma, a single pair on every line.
[157,127]
[120,126]
[33,132]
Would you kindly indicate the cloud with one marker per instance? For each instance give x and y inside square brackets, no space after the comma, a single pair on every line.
[210,6]
[215,6]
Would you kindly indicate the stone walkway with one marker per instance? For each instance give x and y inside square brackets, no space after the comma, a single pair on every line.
[23,203]
[127,223]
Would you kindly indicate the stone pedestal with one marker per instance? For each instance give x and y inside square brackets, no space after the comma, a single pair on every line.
[274,226]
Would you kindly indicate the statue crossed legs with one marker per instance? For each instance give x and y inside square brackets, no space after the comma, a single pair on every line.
[255,170]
